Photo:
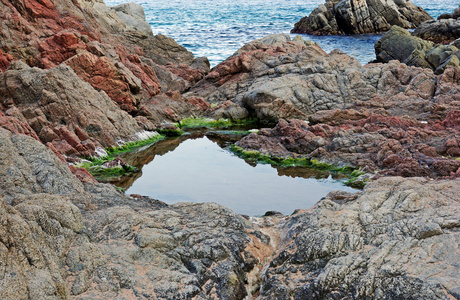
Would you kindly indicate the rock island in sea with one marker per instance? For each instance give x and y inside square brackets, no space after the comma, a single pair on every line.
[78,77]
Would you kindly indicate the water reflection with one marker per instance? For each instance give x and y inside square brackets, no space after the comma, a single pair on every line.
[199,168]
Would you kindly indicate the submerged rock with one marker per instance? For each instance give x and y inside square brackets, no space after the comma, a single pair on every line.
[337,17]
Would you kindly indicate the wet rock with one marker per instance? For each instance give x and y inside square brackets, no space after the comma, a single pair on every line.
[337,17]
[393,241]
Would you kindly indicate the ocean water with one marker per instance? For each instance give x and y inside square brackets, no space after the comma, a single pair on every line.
[217,28]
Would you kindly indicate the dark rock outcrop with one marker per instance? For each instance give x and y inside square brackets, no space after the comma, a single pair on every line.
[337,17]
[443,31]
[399,44]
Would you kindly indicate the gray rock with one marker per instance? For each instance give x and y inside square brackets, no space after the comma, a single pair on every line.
[360,16]
[134,17]
[293,80]
[392,242]
[442,31]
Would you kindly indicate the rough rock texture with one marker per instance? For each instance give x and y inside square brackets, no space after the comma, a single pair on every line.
[388,145]
[51,50]
[337,17]
[399,44]
[399,239]
[292,80]
[63,239]
[55,104]
[443,31]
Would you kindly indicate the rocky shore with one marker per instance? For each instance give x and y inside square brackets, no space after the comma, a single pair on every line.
[337,17]
[78,76]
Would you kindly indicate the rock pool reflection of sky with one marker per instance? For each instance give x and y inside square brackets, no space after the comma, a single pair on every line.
[198,170]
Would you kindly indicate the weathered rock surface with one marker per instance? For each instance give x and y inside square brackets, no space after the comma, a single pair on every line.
[112,49]
[399,44]
[55,102]
[337,17]
[398,239]
[290,79]
[387,145]
[63,239]
[443,31]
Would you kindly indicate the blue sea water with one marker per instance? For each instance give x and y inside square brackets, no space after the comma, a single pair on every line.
[217,28]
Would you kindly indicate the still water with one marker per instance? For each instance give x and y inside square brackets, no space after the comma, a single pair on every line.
[199,168]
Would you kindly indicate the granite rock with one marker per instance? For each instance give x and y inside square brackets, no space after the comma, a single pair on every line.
[337,17]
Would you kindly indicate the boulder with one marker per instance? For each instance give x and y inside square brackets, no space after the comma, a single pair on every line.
[399,44]
[290,79]
[395,240]
[336,17]
[443,31]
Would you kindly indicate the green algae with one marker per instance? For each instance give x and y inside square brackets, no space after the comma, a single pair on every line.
[95,167]
[193,122]
[355,175]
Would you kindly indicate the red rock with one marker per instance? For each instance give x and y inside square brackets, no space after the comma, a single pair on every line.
[55,151]
[83,175]
[199,102]
[5,60]
[452,120]
[102,74]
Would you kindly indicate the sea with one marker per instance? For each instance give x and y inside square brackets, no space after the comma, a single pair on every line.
[217,28]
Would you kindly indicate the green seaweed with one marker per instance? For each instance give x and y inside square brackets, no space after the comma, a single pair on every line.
[170,132]
[130,146]
[355,175]
[94,165]
[193,122]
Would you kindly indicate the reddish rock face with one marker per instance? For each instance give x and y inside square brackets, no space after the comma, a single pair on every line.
[387,145]
[64,113]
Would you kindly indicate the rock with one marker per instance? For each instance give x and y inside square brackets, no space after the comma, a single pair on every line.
[337,17]
[113,49]
[387,145]
[400,45]
[399,244]
[292,80]
[133,15]
[106,244]
[54,103]
[443,31]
